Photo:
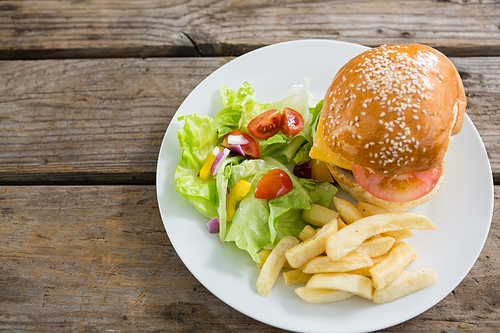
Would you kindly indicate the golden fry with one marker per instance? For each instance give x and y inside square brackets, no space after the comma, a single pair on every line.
[307,233]
[318,215]
[350,262]
[322,296]
[273,265]
[347,210]
[295,276]
[376,246]
[367,209]
[350,237]
[310,248]
[388,269]
[406,283]
[356,284]
[399,234]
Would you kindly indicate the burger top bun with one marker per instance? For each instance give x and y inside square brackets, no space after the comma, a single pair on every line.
[392,109]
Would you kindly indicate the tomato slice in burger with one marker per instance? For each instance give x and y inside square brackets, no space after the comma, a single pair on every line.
[241,143]
[273,184]
[292,122]
[402,188]
[266,124]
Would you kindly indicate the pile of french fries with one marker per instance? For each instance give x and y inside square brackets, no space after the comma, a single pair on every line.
[354,251]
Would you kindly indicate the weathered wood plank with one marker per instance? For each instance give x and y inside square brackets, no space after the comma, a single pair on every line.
[96,258]
[106,28]
[102,121]
[90,120]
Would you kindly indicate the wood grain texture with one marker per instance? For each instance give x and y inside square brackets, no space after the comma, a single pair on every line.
[96,258]
[107,28]
[90,120]
[102,120]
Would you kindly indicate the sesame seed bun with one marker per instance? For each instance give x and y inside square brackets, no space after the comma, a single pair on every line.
[392,109]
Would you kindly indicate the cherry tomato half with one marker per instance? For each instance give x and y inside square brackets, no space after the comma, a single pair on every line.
[292,122]
[403,188]
[266,124]
[274,184]
[250,149]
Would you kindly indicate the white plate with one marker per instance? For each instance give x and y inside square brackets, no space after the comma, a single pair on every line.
[462,209]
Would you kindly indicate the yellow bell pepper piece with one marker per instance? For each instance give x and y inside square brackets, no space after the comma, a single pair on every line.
[237,193]
[205,171]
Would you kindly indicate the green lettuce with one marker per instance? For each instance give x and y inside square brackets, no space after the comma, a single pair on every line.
[297,150]
[260,223]
[257,223]
[240,106]
[197,139]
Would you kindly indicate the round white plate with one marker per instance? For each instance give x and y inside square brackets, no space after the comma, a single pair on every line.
[462,209]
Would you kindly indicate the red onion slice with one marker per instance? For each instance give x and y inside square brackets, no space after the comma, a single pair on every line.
[221,156]
[213,225]
[237,140]
[237,149]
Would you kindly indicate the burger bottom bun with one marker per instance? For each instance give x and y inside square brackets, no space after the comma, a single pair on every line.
[348,183]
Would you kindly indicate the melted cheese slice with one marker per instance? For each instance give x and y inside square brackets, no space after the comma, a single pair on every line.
[322,152]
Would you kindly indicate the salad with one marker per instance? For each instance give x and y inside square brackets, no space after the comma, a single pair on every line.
[235,168]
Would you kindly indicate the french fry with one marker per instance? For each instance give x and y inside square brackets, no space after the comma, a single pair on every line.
[318,215]
[399,234]
[273,265]
[350,237]
[263,254]
[295,276]
[352,261]
[356,284]
[310,248]
[406,283]
[365,271]
[322,296]
[340,223]
[347,210]
[388,269]
[376,246]
[367,209]
[307,233]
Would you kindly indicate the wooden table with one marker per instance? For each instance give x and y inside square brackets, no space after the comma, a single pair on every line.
[87,91]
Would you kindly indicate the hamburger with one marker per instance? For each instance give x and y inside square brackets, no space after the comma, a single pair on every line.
[386,123]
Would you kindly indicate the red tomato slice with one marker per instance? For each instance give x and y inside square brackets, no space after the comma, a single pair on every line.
[266,124]
[250,149]
[274,184]
[292,122]
[402,188]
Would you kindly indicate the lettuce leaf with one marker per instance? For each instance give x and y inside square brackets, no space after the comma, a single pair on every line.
[257,223]
[197,139]
[240,107]
[297,150]
[260,223]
